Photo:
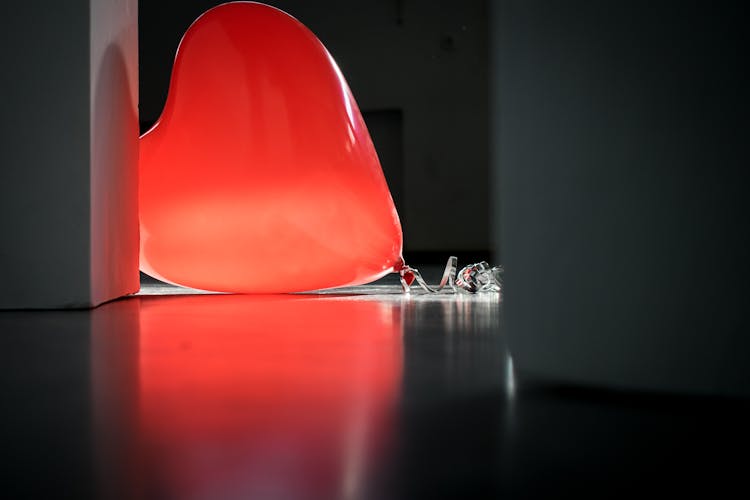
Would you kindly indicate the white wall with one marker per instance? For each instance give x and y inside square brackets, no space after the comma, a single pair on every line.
[113,95]
[68,224]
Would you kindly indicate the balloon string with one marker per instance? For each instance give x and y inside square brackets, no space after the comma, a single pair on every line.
[479,277]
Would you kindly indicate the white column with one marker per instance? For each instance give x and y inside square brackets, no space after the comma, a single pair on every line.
[69,152]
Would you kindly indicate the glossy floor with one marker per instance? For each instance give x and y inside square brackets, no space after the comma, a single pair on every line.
[362,393]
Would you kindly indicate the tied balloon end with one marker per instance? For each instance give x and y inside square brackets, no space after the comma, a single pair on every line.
[400,264]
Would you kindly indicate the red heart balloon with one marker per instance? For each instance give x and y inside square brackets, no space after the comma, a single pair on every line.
[260,175]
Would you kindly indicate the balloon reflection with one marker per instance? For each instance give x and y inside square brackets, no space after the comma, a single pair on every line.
[251,396]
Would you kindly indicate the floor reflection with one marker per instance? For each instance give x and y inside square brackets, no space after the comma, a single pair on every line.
[228,396]
[372,394]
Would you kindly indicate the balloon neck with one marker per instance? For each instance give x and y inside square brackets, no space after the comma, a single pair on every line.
[401,264]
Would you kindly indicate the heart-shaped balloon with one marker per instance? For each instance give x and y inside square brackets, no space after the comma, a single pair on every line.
[260,175]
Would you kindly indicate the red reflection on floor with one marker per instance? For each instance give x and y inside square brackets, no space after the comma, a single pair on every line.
[265,396]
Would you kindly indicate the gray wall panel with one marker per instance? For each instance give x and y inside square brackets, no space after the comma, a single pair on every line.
[621,169]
